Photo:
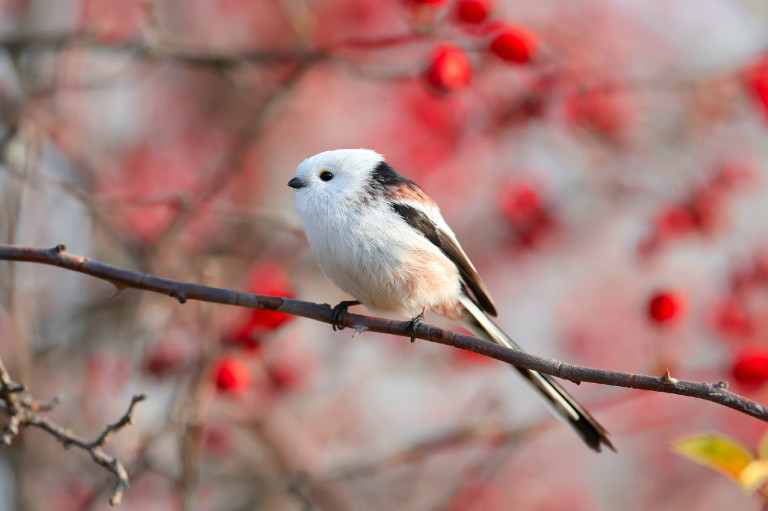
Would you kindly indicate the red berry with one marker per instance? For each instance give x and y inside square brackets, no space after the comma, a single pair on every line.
[515,44]
[756,78]
[666,307]
[470,358]
[450,68]
[163,359]
[428,2]
[708,206]
[675,220]
[760,262]
[216,438]
[232,375]
[285,376]
[751,367]
[601,110]
[521,204]
[270,279]
[731,175]
[472,11]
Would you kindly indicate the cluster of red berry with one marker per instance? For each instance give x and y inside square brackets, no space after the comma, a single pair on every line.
[232,373]
[702,211]
[737,319]
[450,67]
[531,218]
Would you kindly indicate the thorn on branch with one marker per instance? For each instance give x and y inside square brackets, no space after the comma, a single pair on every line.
[359,329]
[179,296]
[667,379]
[61,247]
[119,288]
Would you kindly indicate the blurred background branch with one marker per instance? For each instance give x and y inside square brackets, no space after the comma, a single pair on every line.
[22,411]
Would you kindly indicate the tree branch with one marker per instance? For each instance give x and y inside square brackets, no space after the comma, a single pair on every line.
[22,412]
[182,291]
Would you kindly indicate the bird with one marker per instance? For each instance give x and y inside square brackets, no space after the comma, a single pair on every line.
[379,237]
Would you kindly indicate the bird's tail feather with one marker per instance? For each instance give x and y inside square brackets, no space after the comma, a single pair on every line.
[563,405]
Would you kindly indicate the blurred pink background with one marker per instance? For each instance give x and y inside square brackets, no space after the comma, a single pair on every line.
[602,164]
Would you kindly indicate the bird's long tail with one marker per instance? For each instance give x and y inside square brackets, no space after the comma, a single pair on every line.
[562,404]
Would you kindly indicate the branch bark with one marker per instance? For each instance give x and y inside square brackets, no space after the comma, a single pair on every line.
[22,411]
[183,291]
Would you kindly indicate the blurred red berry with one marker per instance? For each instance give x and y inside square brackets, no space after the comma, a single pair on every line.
[216,438]
[163,359]
[731,175]
[476,495]
[666,307]
[245,335]
[751,366]
[731,319]
[525,210]
[470,358]
[760,263]
[520,204]
[515,44]
[756,78]
[601,110]
[450,68]
[285,376]
[232,375]
[472,11]
[741,280]
[428,2]
[675,220]
[269,279]
[708,206]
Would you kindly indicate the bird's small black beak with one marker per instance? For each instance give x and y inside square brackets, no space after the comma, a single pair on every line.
[296,183]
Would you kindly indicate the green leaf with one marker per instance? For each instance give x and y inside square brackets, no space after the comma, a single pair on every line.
[754,475]
[716,451]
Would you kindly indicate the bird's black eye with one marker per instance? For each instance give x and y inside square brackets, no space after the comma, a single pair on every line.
[326,175]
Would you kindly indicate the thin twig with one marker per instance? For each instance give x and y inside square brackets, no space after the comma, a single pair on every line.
[95,447]
[183,291]
[22,412]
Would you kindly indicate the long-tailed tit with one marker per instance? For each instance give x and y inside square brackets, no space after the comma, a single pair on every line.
[379,237]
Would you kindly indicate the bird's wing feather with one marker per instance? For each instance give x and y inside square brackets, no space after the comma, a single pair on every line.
[561,402]
[419,220]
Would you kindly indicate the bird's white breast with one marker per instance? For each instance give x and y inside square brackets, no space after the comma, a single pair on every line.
[370,252]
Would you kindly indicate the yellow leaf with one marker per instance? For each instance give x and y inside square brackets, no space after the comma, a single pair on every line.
[718,452]
[754,475]
[762,448]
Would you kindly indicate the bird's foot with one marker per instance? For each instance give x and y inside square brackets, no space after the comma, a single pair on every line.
[415,323]
[339,311]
